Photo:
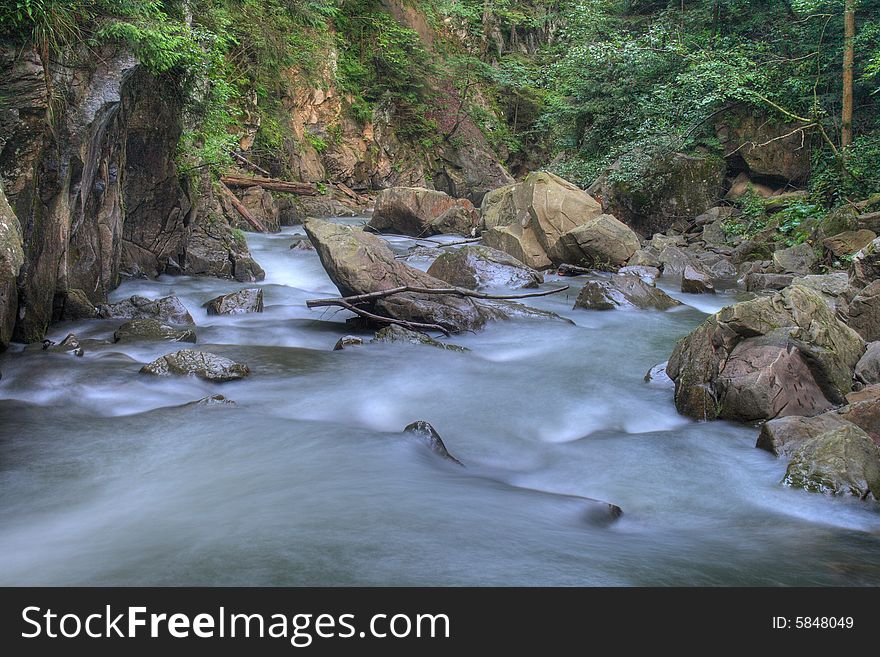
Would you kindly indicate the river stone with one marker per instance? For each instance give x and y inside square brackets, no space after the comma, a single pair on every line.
[623,291]
[601,242]
[237,303]
[759,282]
[201,364]
[675,260]
[842,461]
[302,243]
[812,348]
[396,333]
[520,242]
[646,273]
[476,267]
[78,306]
[138,330]
[360,263]
[420,212]
[696,281]
[347,341]
[168,310]
[213,400]
[800,260]
[647,257]
[863,312]
[868,367]
[785,435]
[848,242]
[69,345]
[431,439]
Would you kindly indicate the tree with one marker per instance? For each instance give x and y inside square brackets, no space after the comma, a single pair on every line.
[849,34]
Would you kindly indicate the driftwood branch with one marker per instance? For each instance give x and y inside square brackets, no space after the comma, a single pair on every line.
[243,211]
[460,291]
[414,326]
[272,184]
[241,158]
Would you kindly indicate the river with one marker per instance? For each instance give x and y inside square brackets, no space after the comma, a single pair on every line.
[107,479]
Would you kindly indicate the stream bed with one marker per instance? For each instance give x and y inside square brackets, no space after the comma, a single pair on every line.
[107,478]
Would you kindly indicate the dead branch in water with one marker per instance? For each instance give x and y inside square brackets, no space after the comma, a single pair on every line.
[459,291]
[413,326]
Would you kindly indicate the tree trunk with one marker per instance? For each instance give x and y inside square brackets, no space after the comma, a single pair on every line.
[849,34]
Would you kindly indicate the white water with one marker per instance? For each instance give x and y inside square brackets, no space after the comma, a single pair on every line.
[105,479]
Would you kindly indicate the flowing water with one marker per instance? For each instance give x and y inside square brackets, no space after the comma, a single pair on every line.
[107,478]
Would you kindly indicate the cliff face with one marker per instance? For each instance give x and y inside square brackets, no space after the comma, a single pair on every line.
[87,149]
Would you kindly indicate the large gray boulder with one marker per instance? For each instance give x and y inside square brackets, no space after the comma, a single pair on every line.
[863,312]
[799,260]
[865,266]
[204,365]
[151,330]
[623,291]
[168,310]
[476,267]
[785,354]
[868,367]
[421,212]
[361,263]
[249,300]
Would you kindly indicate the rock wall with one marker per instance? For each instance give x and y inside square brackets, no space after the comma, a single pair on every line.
[87,147]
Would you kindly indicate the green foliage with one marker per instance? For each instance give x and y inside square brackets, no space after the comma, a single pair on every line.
[833,183]
[315,141]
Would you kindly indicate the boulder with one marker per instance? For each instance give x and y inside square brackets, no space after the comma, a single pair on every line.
[751,250]
[77,305]
[785,435]
[431,439]
[868,367]
[302,243]
[742,185]
[841,461]
[421,212]
[863,312]
[261,204]
[768,148]
[399,334]
[831,286]
[151,330]
[675,260]
[168,310]
[360,263]
[865,266]
[847,243]
[759,282]
[237,303]
[519,242]
[347,341]
[800,260]
[696,281]
[602,242]
[623,291]
[203,365]
[293,210]
[785,354]
[645,272]
[476,267]
[648,257]
[69,345]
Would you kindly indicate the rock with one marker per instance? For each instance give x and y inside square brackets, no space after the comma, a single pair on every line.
[261,204]
[657,376]
[713,233]
[742,185]
[476,267]
[420,212]
[863,312]
[769,148]
[785,354]
[293,210]
[863,410]
[865,266]
[77,305]
[868,393]
[168,310]
[800,260]
[676,188]
[213,400]
[675,260]
[868,367]
[203,365]
[758,282]
[11,260]
[847,243]
[431,439]
[519,242]
[237,303]
[645,258]
[696,281]
[602,242]
[785,435]
[842,461]
[831,285]
[69,345]
[360,263]
[399,334]
[645,272]
[751,250]
[623,291]
[302,243]
[143,330]
[347,341]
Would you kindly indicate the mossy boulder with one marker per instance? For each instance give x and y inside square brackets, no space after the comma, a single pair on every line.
[421,212]
[151,330]
[623,291]
[169,310]
[200,364]
[395,333]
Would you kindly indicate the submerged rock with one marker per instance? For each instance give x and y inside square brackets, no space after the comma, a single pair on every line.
[213,400]
[397,333]
[237,303]
[360,263]
[420,212]
[302,243]
[152,330]
[347,341]
[431,439]
[168,310]
[69,345]
[201,364]
[476,267]
[623,291]
[785,354]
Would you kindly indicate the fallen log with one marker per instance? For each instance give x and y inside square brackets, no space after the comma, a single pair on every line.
[350,193]
[243,211]
[461,291]
[272,184]
[241,158]
[572,270]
